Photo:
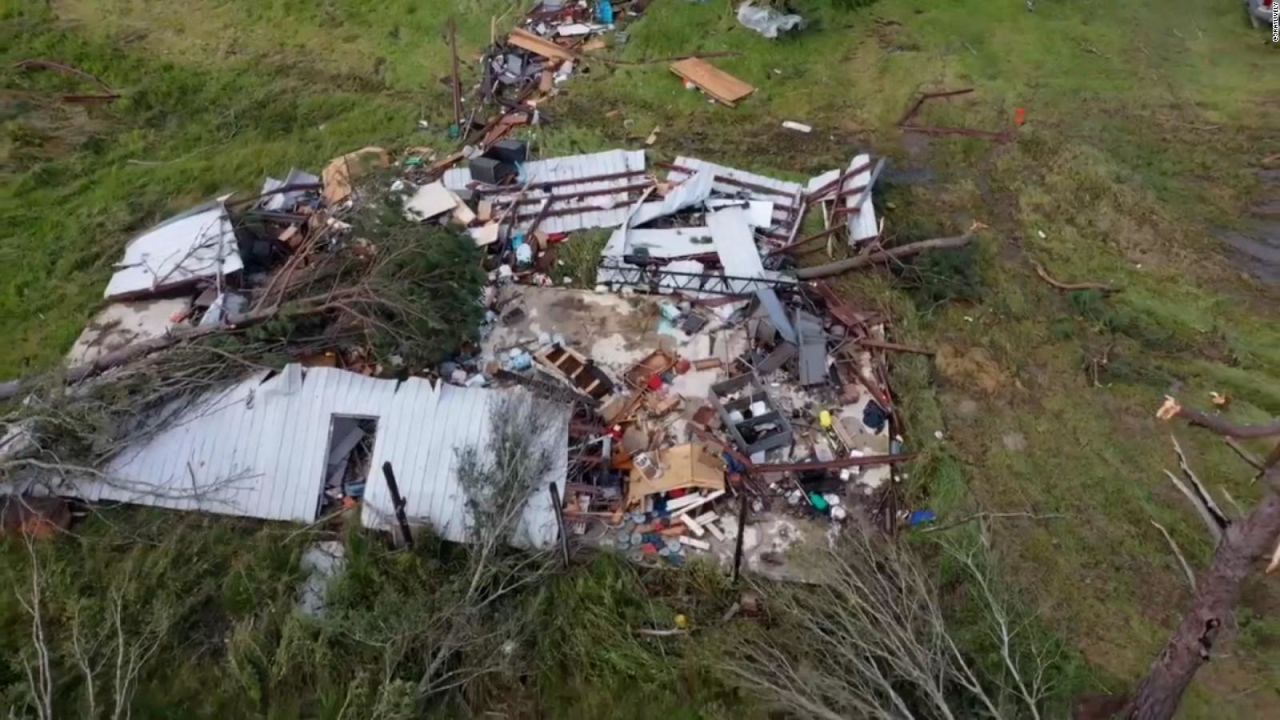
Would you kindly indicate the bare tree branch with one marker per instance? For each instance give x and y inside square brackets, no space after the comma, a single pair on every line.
[1191,576]
[1210,520]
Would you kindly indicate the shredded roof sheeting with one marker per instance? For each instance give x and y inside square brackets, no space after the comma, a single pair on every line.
[693,191]
[781,193]
[659,242]
[260,447]
[199,243]
[592,211]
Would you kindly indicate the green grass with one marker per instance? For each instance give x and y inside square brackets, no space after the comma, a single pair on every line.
[1143,130]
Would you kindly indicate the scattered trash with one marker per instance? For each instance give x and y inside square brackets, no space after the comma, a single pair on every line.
[767,21]
[342,172]
[798,127]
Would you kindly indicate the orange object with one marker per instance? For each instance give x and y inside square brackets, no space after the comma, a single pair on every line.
[682,366]
[1019,116]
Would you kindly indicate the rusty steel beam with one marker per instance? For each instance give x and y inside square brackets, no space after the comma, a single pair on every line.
[838,464]
[925,97]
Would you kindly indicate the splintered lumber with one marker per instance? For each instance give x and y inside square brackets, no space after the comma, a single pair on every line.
[888,256]
[703,501]
[526,40]
[695,543]
[689,523]
[715,530]
[682,502]
[715,82]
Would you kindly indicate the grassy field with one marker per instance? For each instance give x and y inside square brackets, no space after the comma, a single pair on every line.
[1144,131]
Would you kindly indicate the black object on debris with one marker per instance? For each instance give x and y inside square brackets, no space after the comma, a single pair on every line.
[491,171]
[512,152]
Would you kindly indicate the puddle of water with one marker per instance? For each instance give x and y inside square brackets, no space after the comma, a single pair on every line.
[1256,250]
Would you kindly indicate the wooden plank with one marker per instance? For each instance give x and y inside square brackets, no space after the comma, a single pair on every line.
[693,543]
[700,503]
[683,502]
[706,517]
[715,530]
[695,527]
[528,41]
[715,82]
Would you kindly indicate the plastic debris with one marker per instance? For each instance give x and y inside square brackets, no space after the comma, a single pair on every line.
[767,21]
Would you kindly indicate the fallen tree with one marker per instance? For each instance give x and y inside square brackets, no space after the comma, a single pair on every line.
[1241,545]
[886,256]
[406,292]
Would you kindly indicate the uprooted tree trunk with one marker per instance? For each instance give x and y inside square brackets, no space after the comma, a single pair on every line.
[1217,590]
[890,255]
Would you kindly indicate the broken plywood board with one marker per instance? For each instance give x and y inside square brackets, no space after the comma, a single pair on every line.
[528,41]
[684,466]
[120,324]
[712,80]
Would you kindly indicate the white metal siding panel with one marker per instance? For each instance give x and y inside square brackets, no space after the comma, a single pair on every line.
[785,194]
[266,459]
[862,224]
[616,206]
[176,251]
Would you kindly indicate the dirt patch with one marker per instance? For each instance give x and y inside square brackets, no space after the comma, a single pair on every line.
[38,127]
[1255,248]
[973,368]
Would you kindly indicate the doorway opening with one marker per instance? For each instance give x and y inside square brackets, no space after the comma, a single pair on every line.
[350,455]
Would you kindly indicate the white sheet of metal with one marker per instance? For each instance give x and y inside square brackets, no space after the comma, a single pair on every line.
[691,192]
[735,244]
[593,211]
[785,195]
[199,243]
[258,449]
[759,212]
[659,242]
[862,224]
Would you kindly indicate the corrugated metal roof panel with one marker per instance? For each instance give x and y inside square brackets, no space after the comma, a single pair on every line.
[593,211]
[862,224]
[196,244]
[259,449]
[659,242]
[783,194]
[690,192]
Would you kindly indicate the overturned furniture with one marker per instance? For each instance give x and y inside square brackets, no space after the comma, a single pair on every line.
[749,415]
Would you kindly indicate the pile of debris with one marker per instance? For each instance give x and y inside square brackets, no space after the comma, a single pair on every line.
[715,394]
[705,398]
